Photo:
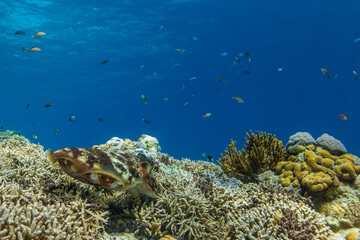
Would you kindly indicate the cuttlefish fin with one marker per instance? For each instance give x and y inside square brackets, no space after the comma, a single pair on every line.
[50,156]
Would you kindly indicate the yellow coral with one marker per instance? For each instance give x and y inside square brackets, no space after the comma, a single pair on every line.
[351,236]
[324,153]
[345,171]
[328,163]
[316,182]
[310,147]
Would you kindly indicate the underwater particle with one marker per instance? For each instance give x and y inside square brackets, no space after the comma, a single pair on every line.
[221,79]
[245,54]
[100,119]
[47,105]
[356,40]
[104,62]
[39,34]
[195,38]
[165,99]
[34,49]
[355,75]
[72,118]
[183,87]
[146,121]
[224,54]
[144,99]
[161,28]
[246,72]
[154,73]
[180,50]
[186,103]
[19,33]
[279,69]
[33,136]
[238,99]
[343,117]
[325,72]
[27,106]
[206,115]
[22,49]
[141,68]
[57,132]
[175,65]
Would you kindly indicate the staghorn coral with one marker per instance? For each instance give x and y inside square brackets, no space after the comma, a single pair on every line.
[37,199]
[316,169]
[262,152]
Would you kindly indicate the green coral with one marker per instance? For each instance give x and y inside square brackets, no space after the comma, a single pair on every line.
[262,152]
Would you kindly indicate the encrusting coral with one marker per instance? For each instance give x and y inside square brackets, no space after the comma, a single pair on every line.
[316,169]
[262,152]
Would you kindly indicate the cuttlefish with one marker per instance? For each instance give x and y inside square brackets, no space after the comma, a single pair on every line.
[108,170]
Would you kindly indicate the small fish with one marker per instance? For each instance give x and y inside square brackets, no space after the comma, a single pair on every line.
[186,103]
[161,28]
[221,79]
[72,118]
[246,72]
[193,78]
[195,38]
[57,131]
[249,60]
[206,115]
[100,119]
[165,99]
[22,49]
[19,33]
[356,40]
[203,154]
[104,62]
[224,54]
[39,34]
[144,99]
[180,50]
[183,87]
[193,94]
[237,60]
[141,68]
[326,72]
[146,121]
[33,136]
[210,158]
[34,49]
[27,106]
[343,117]
[154,73]
[47,105]
[1,127]
[238,99]
[355,75]
[279,69]
[245,54]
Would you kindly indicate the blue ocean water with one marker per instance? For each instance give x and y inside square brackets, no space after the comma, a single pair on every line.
[177,49]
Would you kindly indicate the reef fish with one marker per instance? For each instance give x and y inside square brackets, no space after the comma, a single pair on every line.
[325,72]
[108,170]
[39,34]
[19,33]
[343,117]
[34,49]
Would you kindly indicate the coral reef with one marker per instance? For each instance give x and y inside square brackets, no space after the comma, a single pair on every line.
[12,134]
[331,144]
[316,169]
[262,152]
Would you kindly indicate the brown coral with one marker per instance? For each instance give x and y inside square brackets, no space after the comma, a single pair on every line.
[262,152]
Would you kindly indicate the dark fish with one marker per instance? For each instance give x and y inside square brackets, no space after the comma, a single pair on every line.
[47,105]
[247,72]
[210,158]
[101,119]
[72,118]
[19,33]
[146,121]
[1,127]
[27,106]
[105,61]
[221,79]
[245,54]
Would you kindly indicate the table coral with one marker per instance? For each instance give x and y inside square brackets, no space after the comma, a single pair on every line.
[262,152]
[317,169]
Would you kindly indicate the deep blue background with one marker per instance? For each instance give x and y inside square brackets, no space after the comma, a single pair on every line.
[299,36]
